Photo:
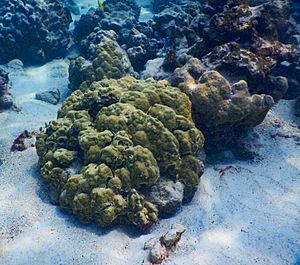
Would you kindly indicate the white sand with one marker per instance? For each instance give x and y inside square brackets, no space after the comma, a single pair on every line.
[251,215]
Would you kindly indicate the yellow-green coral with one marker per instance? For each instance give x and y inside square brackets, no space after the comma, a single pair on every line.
[140,212]
[109,61]
[112,142]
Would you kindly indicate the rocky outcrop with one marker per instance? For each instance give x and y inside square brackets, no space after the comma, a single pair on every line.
[33,31]
[266,38]
[241,40]
[235,63]
[118,15]
[5,97]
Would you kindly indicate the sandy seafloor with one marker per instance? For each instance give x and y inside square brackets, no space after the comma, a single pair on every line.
[250,215]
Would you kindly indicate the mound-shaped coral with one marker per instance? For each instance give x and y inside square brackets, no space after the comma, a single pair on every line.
[105,59]
[33,31]
[219,108]
[93,30]
[112,142]
[221,105]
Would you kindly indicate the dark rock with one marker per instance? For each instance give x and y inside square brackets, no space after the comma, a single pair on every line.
[140,44]
[159,5]
[118,15]
[87,23]
[236,63]
[6,101]
[33,31]
[167,196]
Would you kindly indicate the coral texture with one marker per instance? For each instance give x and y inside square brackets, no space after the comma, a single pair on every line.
[256,41]
[96,36]
[33,31]
[254,38]
[236,63]
[114,140]
[220,109]
[106,59]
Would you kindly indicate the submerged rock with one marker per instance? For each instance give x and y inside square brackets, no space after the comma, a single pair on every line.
[33,31]
[5,97]
[118,15]
[160,249]
[15,67]
[126,134]
[249,37]
[242,23]
[264,39]
[167,196]
[236,63]
[140,44]
[52,97]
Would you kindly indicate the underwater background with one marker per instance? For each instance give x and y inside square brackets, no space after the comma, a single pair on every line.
[122,121]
